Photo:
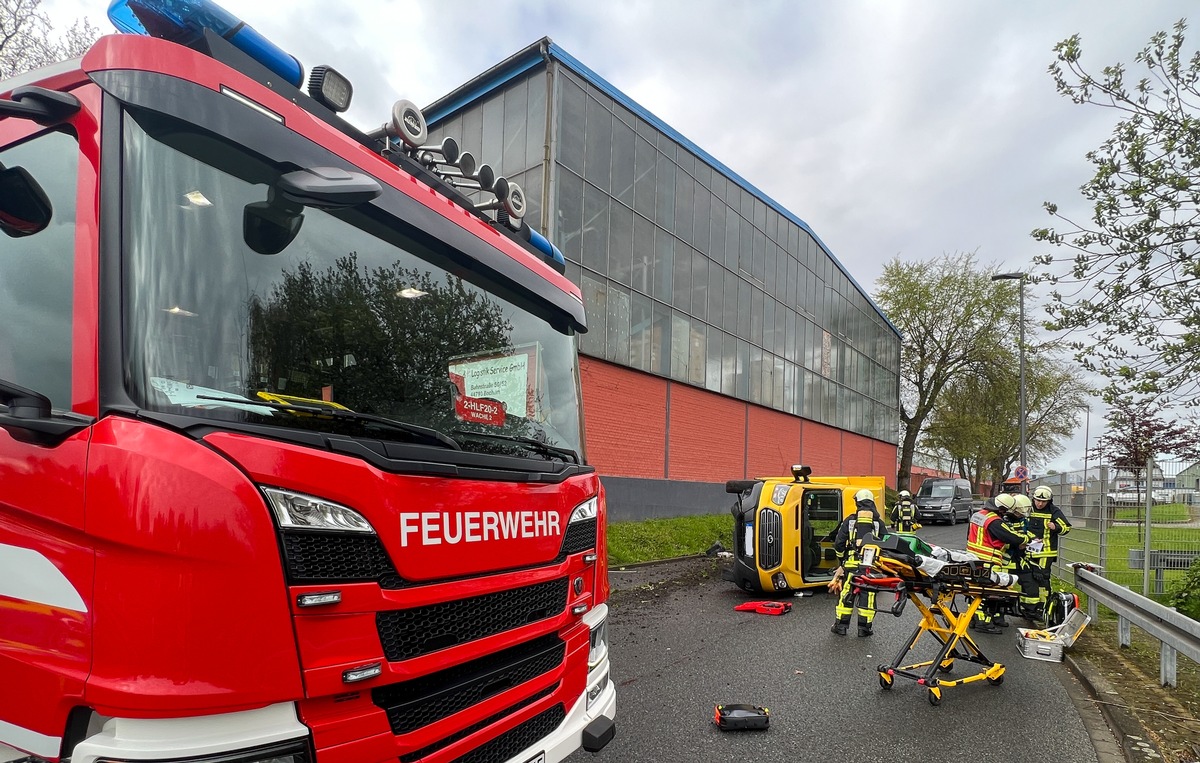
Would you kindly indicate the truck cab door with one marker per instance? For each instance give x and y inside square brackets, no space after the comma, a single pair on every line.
[47,346]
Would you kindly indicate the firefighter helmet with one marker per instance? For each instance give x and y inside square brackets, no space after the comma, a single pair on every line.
[1043,493]
[905,495]
[1004,502]
[1021,506]
[864,495]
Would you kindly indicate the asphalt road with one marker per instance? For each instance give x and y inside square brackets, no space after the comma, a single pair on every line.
[679,648]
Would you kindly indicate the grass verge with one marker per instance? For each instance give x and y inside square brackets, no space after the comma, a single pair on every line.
[652,539]
[1169,715]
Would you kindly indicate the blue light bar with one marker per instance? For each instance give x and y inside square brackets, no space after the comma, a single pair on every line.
[184,22]
[543,245]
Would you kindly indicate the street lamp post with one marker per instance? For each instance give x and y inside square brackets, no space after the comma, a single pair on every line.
[1019,277]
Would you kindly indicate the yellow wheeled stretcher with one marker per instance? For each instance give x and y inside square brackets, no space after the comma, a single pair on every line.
[933,586]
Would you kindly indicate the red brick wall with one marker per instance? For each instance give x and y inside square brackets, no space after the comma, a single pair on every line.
[857,454]
[774,443]
[821,448]
[708,436]
[625,412]
[883,461]
[625,415]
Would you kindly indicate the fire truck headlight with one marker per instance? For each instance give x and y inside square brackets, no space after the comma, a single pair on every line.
[586,510]
[299,511]
[779,494]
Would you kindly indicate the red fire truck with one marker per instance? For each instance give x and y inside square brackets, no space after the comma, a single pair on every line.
[290,425]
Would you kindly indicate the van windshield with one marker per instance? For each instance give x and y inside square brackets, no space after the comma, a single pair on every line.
[936,490]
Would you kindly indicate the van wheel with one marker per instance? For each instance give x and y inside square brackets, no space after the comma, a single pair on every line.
[953,517]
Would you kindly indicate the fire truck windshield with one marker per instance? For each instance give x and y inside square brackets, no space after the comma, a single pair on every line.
[355,314]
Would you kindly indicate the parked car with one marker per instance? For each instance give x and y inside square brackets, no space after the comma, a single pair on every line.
[944,499]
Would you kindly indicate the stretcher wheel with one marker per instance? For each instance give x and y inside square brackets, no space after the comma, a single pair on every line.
[997,680]
[886,681]
[934,696]
[945,668]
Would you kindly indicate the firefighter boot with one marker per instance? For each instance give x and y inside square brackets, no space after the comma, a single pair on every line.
[840,626]
[864,627]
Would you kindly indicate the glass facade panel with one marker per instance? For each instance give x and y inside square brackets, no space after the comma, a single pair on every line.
[617,327]
[572,110]
[535,126]
[680,346]
[694,277]
[620,244]
[595,302]
[644,158]
[493,131]
[729,365]
[568,232]
[697,351]
[516,118]
[660,344]
[685,188]
[712,361]
[682,278]
[699,285]
[664,199]
[642,275]
[664,265]
[597,160]
[641,319]
[622,162]
[595,228]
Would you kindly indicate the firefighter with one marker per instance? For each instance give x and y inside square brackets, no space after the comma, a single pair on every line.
[996,535]
[863,527]
[1047,523]
[904,514]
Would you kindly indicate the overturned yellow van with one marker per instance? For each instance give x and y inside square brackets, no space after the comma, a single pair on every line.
[783,528]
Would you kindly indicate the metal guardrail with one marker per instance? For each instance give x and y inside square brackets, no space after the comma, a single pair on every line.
[1176,633]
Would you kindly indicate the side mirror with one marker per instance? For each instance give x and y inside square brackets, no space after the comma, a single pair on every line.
[269,226]
[24,207]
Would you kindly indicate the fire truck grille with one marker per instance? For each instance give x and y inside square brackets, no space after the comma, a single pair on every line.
[507,744]
[580,536]
[408,633]
[318,557]
[414,704]
[770,539]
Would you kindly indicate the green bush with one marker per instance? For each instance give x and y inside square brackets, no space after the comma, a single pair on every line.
[1184,594]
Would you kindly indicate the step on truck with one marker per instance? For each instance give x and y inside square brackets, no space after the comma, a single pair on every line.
[291,437]
[784,528]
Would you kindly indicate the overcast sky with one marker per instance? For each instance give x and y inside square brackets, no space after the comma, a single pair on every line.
[899,128]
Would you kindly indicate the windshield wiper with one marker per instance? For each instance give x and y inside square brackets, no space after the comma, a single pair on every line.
[535,445]
[432,435]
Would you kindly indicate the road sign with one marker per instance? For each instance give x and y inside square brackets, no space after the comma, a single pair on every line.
[1021,472]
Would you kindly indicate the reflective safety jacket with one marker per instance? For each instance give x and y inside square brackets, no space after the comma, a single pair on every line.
[982,543]
[1039,526]
[863,527]
[904,516]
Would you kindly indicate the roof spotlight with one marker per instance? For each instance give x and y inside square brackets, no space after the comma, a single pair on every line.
[330,88]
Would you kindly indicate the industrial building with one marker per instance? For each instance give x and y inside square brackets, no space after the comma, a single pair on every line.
[725,340]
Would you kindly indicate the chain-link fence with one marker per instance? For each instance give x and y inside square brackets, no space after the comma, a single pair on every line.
[1107,509]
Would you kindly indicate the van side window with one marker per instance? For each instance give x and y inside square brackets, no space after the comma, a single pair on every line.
[37,274]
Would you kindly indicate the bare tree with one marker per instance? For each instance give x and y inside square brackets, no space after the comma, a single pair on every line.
[27,40]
